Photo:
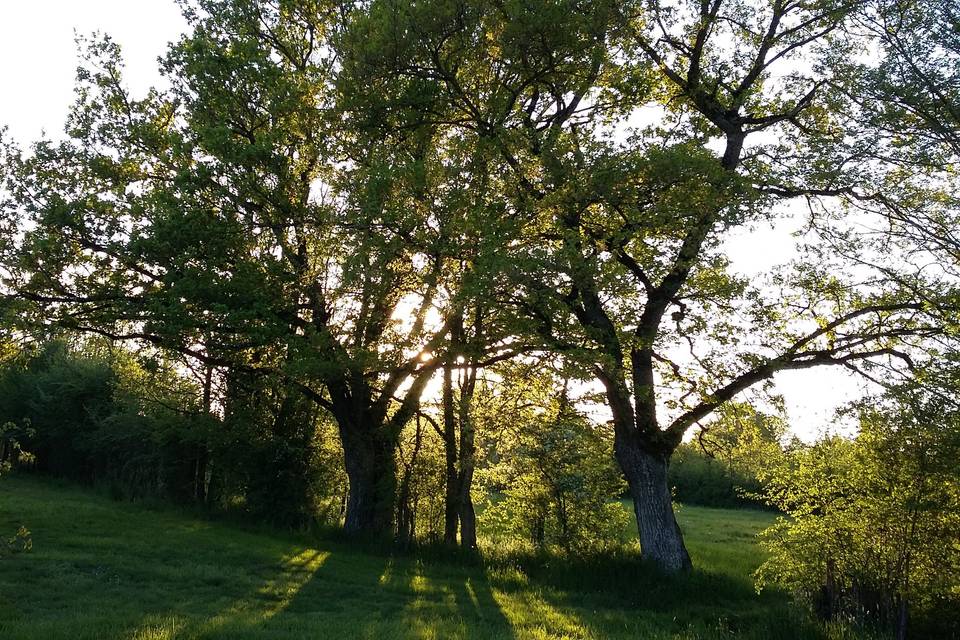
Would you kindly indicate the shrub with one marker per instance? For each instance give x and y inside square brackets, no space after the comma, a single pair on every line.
[873,532]
[98,414]
[557,481]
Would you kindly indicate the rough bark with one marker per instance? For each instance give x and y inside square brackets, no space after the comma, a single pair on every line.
[661,541]
[643,453]
[369,459]
[468,522]
[468,515]
[369,436]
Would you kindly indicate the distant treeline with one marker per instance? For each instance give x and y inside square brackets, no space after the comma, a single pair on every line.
[139,428]
[697,477]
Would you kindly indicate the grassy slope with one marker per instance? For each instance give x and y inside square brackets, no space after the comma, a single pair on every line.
[103,569]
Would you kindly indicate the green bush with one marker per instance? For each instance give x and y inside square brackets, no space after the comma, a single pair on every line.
[97,414]
[723,464]
[873,532]
[21,542]
[557,481]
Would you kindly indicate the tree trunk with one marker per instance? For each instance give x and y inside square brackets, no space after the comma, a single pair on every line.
[370,463]
[661,541]
[902,618]
[468,515]
[468,523]
[199,476]
[468,451]
[451,511]
[201,480]
[406,503]
[451,508]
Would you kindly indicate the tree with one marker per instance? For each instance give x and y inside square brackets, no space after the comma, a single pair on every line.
[97,414]
[616,255]
[328,192]
[872,523]
[236,219]
[274,453]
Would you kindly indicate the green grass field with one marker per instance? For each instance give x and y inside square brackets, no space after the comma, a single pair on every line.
[106,569]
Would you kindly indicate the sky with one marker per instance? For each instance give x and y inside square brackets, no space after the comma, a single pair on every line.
[38,56]
[38,60]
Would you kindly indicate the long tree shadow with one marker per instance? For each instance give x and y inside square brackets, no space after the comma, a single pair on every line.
[453,601]
[341,591]
[213,582]
[634,599]
[154,574]
[261,589]
[352,595]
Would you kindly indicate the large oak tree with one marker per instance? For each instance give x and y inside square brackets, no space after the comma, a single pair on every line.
[235,217]
[617,257]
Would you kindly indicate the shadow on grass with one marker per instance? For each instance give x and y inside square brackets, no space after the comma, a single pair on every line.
[339,593]
[619,593]
[346,591]
[381,596]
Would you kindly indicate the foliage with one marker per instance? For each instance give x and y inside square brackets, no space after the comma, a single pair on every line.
[723,464]
[615,235]
[87,414]
[557,481]
[12,435]
[99,414]
[275,457]
[237,219]
[696,478]
[21,542]
[911,94]
[873,526]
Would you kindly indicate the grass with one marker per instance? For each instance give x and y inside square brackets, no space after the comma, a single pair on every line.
[106,569]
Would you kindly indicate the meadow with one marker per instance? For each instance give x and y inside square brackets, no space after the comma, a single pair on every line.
[101,568]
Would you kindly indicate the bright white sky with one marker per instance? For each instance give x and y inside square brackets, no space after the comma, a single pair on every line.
[37,65]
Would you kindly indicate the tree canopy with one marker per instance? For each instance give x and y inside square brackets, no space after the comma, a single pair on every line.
[353,199]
